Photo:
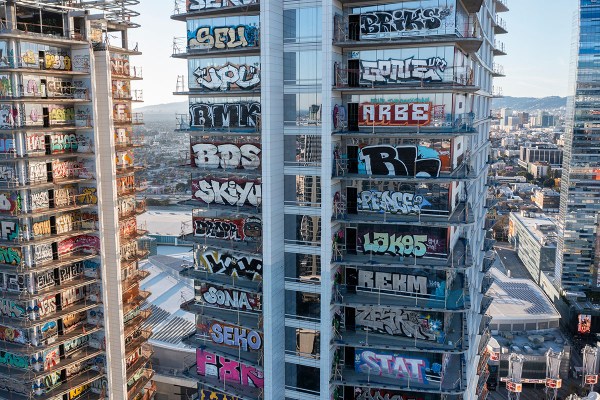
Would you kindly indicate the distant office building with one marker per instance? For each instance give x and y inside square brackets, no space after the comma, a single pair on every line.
[538,169]
[544,152]
[523,118]
[505,113]
[545,119]
[580,185]
[547,200]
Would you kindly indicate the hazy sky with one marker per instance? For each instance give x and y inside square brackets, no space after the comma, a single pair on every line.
[538,45]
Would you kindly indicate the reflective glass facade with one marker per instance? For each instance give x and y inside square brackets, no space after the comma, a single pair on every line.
[577,258]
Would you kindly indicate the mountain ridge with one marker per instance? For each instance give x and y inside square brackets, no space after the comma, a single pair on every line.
[515,103]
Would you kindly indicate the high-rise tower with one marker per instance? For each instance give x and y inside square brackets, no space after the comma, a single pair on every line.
[577,261]
[338,160]
[70,316]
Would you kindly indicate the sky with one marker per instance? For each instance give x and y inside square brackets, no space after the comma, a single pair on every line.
[537,65]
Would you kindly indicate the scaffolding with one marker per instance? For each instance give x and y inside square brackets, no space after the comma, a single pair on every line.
[590,367]
[553,381]
[514,385]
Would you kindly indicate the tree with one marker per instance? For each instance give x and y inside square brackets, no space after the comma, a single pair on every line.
[549,183]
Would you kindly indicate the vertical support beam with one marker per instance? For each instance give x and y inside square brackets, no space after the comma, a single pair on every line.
[326,198]
[112,291]
[271,62]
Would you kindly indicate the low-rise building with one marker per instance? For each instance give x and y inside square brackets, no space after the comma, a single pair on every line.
[538,169]
[547,200]
[534,237]
[524,321]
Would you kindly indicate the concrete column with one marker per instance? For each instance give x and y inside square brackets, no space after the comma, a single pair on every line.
[271,60]
[326,198]
[112,291]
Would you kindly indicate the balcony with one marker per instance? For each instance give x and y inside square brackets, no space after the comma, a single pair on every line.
[232,388]
[133,344]
[466,36]
[133,324]
[71,383]
[125,119]
[182,13]
[461,215]
[499,26]
[472,6]
[434,79]
[454,340]
[498,71]
[184,124]
[347,169]
[452,381]
[445,125]
[181,49]
[139,384]
[60,261]
[76,307]
[74,95]
[81,122]
[454,298]
[75,283]
[134,279]
[499,48]
[133,96]
[501,6]
[129,73]
[40,33]
[251,357]
[28,349]
[240,318]
[460,257]
[136,301]
[239,246]
[221,279]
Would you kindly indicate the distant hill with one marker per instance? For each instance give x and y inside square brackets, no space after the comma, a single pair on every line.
[530,103]
[168,110]
[163,111]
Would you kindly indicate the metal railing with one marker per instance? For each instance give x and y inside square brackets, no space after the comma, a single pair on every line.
[361,78]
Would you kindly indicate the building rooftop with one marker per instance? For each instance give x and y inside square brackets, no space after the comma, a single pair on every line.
[540,226]
[518,301]
[166,223]
[168,322]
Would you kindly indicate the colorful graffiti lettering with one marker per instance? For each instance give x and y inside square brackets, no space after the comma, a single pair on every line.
[228,370]
[394,114]
[227,192]
[7,145]
[231,265]
[224,115]
[58,61]
[60,143]
[6,173]
[224,37]
[9,230]
[228,77]
[11,309]
[404,21]
[400,71]
[391,202]
[232,299]
[205,394]
[196,5]
[62,115]
[10,255]
[225,156]
[230,335]
[400,323]
[12,335]
[8,202]
[416,161]
[385,363]
[14,360]
[229,229]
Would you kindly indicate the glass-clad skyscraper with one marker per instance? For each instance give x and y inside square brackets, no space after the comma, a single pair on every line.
[578,260]
[338,161]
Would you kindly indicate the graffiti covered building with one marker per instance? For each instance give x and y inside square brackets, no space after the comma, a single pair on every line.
[70,301]
[338,161]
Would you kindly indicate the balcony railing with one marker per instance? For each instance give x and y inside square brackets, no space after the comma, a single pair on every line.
[131,72]
[470,30]
[134,119]
[455,76]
